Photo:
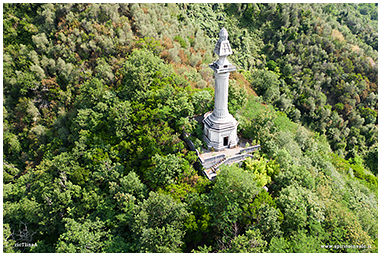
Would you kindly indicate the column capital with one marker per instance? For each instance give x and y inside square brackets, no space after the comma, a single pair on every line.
[222,49]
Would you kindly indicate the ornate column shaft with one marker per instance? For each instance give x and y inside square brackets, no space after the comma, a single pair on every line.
[221,95]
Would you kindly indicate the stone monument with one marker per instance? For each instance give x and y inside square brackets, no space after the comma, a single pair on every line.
[220,127]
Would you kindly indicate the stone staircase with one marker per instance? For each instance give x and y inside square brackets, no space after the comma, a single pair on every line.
[211,172]
[211,163]
[214,168]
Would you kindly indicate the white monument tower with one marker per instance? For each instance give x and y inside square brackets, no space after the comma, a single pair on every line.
[220,127]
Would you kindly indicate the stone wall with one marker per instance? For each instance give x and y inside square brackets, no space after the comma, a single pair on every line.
[250,149]
[210,161]
[189,142]
[210,165]
[236,159]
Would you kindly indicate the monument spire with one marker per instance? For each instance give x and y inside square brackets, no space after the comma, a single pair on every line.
[220,127]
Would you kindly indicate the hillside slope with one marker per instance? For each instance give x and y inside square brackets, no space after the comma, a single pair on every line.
[96,97]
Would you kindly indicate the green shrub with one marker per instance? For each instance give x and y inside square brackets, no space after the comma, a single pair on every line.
[181,41]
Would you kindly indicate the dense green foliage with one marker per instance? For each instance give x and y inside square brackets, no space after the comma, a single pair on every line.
[96,97]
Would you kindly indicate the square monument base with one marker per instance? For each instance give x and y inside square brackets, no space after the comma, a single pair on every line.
[220,136]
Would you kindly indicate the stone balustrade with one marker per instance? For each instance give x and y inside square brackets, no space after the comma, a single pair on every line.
[210,161]
[235,159]
[250,149]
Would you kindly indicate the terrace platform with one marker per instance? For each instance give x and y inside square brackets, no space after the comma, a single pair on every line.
[212,160]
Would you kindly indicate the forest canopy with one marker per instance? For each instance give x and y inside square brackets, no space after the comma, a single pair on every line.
[96,98]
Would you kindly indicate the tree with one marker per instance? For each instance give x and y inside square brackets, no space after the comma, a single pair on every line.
[268,222]
[230,196]
[298,243]
[284,103]
[250,242]
[91,93]
[234,184]
[166,170]
[237,97]
[131,184]
[124,195]
[120,118]
[198,225]
[300,207]
[202,101]
[371,160]
[85,237]
[280,47]
[296,175]
[103,71]
[263,170]
[11,144]
[179,106]
[158,224]
[8,243]
[27,113]
[139,72]
[343,227]
[266,83]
